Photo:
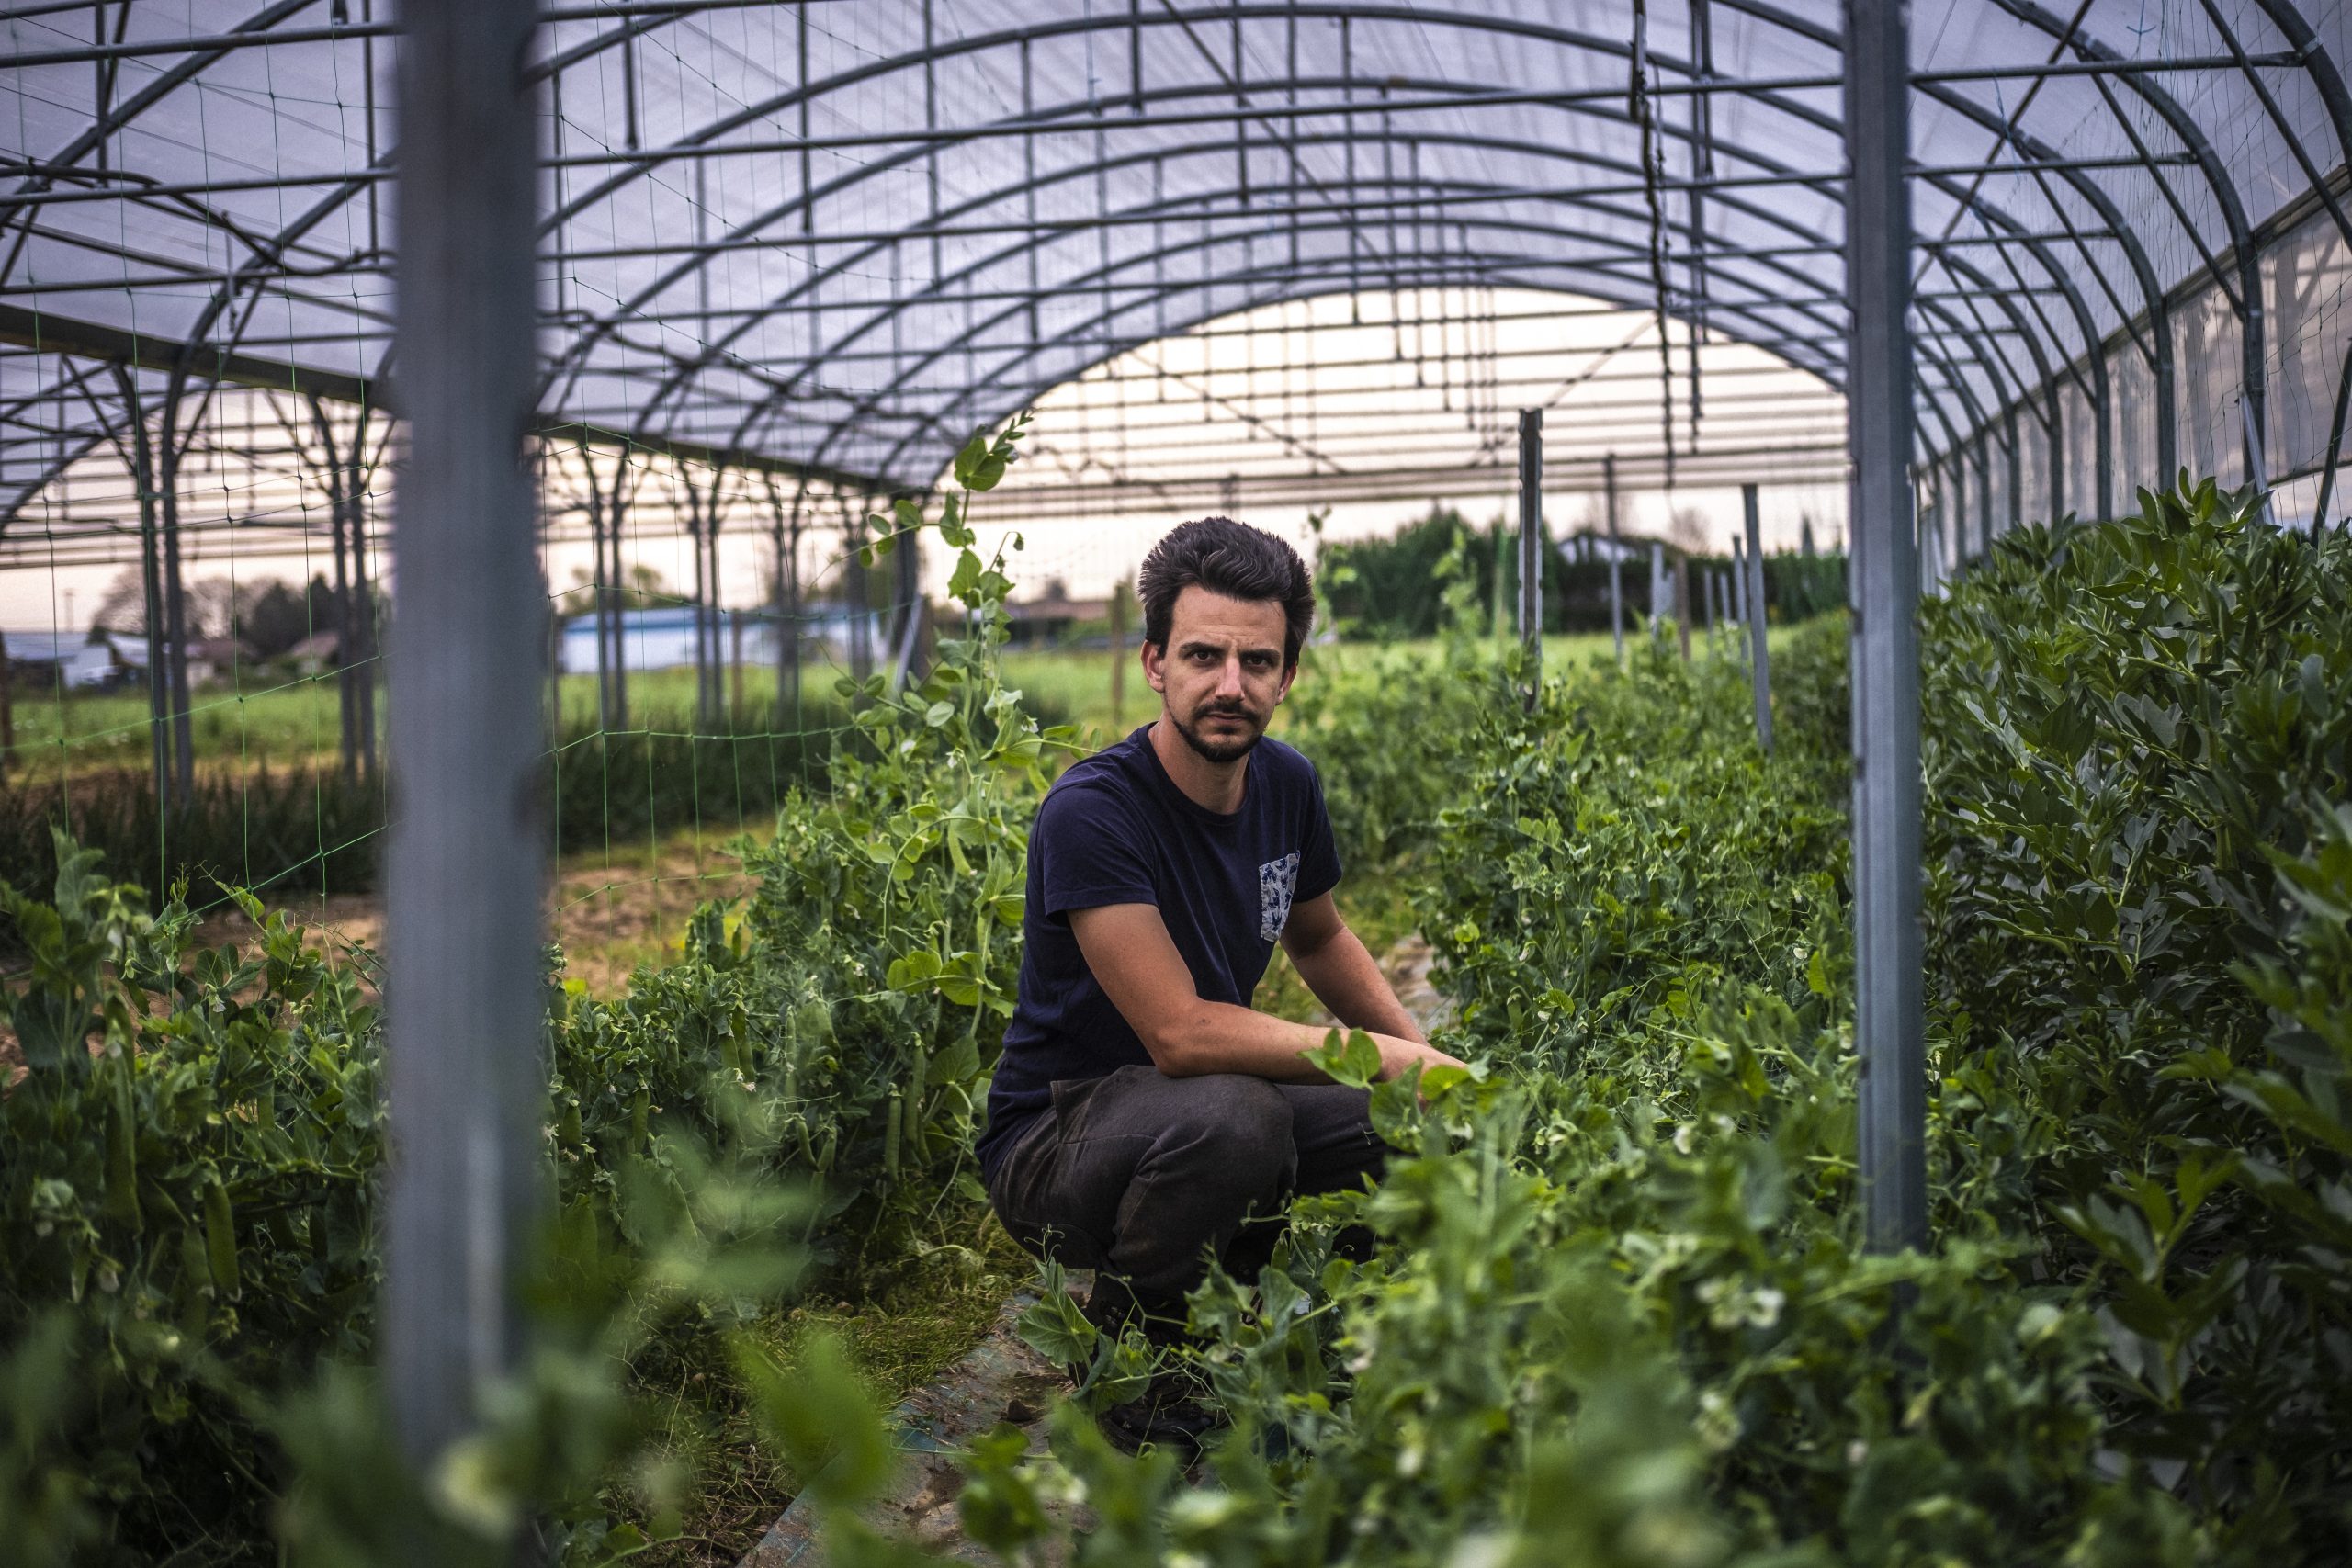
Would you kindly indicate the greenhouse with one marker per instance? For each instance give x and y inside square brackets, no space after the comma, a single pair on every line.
[571,575]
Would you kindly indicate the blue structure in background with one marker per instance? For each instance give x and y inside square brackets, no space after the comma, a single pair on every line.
[664,639]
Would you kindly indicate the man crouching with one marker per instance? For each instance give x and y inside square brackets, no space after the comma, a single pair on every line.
[1144,1117]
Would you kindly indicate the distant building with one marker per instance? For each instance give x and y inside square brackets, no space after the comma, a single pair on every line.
[664,639]
[72,657]
[317,653]
[1039,622]
[1598,547]
[218,657]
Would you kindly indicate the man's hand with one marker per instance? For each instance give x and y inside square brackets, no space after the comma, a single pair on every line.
[1134,961]
[1398,1057]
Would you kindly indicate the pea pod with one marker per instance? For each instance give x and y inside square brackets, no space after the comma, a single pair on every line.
[890,1138]
[913,1112]
[221,1237]
[123,1148]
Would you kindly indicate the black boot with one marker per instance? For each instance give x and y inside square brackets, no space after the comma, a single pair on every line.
[1172,1414]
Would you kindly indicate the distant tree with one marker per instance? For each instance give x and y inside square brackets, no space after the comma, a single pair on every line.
[272,617]
[1686,530]
[122,609]
[326,614]
[1382,586]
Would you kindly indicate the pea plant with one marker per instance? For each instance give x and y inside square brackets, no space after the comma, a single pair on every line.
[1620,1313]
[190,1163]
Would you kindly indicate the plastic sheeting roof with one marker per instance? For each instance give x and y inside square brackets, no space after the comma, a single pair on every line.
[838,236]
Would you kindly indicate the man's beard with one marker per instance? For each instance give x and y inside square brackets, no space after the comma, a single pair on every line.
[1220,751]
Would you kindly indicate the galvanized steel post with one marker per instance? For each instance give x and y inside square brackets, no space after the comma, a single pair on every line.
[1739,592]
[1759,657]
[1616,565]
[468,859]
[1889,1023]
[1658,590]
[1531,547]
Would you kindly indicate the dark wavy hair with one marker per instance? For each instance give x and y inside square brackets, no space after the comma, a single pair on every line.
[1235,561]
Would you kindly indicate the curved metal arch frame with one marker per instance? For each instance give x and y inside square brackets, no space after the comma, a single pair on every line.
[930,55]
[246,276]
[2060,276]
[2248,300]
[1276,228]
[1091,278]
[2152,293]
[1075,170]
[939,291]
[2316,63]
[1631,298]
[1083,170]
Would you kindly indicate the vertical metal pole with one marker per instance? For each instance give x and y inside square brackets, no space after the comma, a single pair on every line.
[152,581]
[468,857]
[1758,656]
[1616,567]
[1889,1024]
[1658,590]
[1531,547]
[734,624]
[176,617]
[1739,589]
[596,589]
[616,595]
[1983,499]
[1682,605]
[362,606]
[2335,448]
[1960,513]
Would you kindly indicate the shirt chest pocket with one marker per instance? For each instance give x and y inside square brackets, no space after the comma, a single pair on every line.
[1277,880]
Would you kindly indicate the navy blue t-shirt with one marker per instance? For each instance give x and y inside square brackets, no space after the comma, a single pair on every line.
[1116,829]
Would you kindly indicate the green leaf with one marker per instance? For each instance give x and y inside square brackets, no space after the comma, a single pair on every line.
[1355,1061]
[969,460]
[915,971]
[818,1414]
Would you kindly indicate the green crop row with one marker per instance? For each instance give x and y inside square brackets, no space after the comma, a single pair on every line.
[190,1169]
[1623,1314]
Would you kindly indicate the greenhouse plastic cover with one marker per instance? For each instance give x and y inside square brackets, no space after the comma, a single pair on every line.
[925,281]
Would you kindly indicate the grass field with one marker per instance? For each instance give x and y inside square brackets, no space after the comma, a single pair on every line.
[265,722]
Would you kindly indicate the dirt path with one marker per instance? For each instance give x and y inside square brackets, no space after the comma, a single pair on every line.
[610,917]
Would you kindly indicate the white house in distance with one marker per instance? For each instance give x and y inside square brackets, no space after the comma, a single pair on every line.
[664,639]
[78,660]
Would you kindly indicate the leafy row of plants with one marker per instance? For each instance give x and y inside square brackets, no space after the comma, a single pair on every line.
[288,829]
[1623,1314]
[190,1166]
[1379,588]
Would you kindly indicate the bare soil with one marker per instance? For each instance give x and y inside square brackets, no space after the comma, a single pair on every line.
[610,915]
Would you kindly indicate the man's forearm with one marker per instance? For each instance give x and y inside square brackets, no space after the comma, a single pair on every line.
[1344,978]
[1218,1037]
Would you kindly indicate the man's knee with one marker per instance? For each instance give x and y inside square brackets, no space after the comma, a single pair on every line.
[1232,1130]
